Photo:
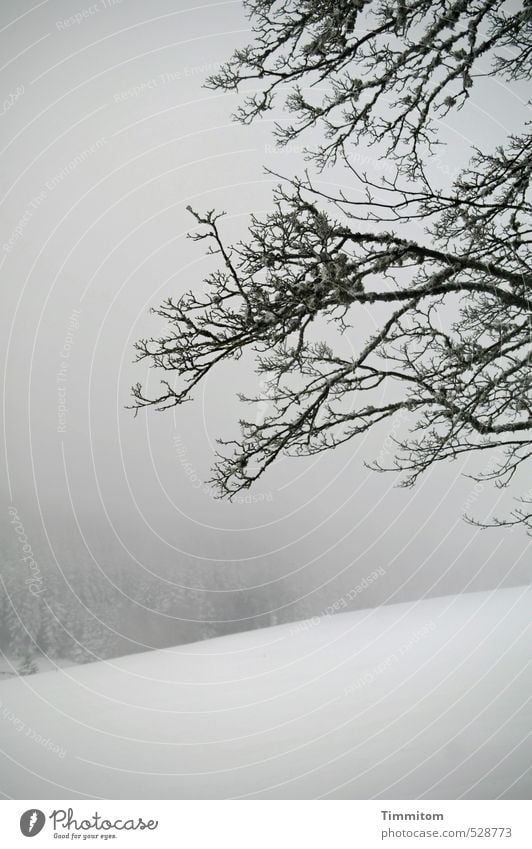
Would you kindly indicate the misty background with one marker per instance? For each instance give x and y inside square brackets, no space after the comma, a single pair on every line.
[106,136]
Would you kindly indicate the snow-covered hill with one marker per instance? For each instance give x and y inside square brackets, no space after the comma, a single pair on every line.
[430,699]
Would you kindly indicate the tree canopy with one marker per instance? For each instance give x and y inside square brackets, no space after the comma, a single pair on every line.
[441,266]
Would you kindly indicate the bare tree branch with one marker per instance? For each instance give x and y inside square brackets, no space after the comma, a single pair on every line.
[452,348]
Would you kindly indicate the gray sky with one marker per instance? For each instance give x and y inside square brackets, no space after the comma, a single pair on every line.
[107,135]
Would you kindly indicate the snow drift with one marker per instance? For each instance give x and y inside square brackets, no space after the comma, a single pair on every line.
[420,700]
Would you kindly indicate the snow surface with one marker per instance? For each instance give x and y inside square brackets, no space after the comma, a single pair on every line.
[420,700]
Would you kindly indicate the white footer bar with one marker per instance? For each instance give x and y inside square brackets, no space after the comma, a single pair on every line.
[267,824]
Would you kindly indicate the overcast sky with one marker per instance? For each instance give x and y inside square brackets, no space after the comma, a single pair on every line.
[107,135]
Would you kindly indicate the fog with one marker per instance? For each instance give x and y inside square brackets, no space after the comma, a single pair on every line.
[107,135]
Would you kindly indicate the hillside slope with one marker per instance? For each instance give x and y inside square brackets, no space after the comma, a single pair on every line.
[429,699]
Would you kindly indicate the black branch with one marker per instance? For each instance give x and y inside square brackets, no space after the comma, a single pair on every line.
[451,345]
